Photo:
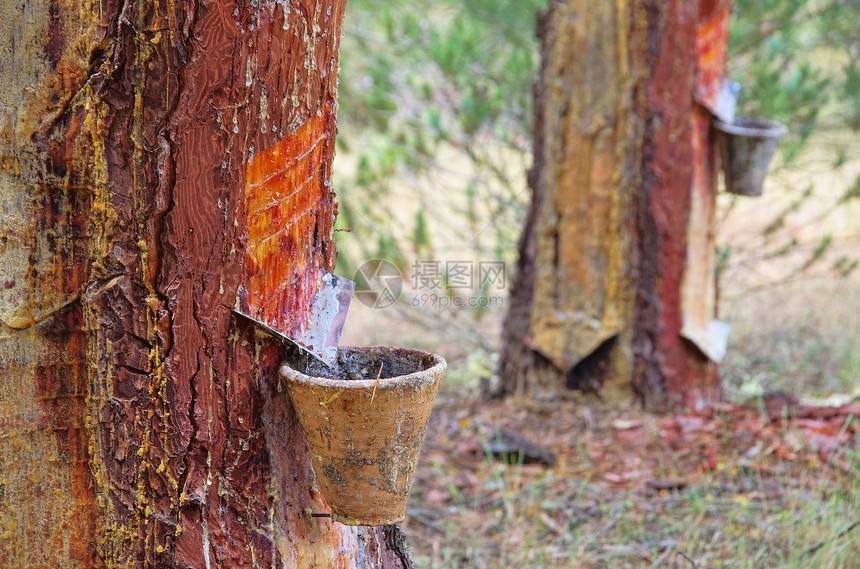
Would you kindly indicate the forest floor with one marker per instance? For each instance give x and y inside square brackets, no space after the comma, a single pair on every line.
[771,485]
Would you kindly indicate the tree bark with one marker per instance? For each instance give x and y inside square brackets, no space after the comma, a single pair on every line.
[615,258]
[144,424]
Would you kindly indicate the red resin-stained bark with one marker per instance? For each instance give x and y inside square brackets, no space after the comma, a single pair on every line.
[711,42]
[669,192]
[289,208]
[681,160]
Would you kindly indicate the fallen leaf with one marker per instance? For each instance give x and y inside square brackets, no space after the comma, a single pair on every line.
[634,474]
[709,465]
[817,426]
[754,450]
[690,423]
[794,442]
[625,424]
[784,453]
[437,497]
[631,435]
[710,451]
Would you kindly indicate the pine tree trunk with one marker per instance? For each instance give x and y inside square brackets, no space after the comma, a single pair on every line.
[143,145]
[615,258]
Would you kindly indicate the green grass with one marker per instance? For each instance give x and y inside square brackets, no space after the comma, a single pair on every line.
[551,522]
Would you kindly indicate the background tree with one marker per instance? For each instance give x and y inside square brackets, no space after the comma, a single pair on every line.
[624,187]
[143,424]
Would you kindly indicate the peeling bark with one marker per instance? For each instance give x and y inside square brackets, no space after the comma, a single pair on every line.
[570,294]
[145,423]
[616,252]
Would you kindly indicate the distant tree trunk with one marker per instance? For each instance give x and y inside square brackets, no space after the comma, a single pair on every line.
[143,424]
[615,265]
